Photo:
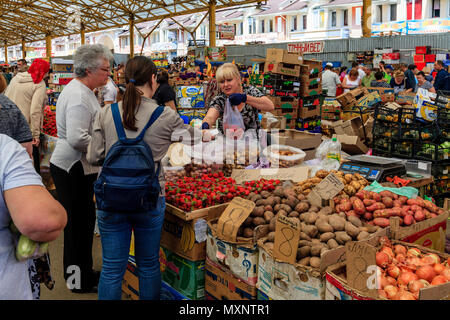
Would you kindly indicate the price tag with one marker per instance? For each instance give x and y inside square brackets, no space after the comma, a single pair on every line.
[232,218]
[287,235]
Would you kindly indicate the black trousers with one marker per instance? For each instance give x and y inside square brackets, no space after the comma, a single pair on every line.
[75,193]
[37,159]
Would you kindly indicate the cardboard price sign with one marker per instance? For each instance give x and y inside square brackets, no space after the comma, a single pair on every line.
[233,217]
[287,235]
[294,174]
[327,189]
[362,267]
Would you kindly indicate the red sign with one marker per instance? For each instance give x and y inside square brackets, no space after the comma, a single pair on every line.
[306,47]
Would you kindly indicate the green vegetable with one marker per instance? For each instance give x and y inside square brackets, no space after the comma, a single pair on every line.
[25,248]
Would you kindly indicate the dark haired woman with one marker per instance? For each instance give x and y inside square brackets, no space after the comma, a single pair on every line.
[164,94]
[115,228]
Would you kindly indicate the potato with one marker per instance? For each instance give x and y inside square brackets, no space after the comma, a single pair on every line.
[294,214]
[271,236]
[349,190]
[282,213]
[314,209]
[272,224]
[315,250]
[355,184]
[302,243]
[323,226]
[286,208]
[277,200]
[291,201]
[351,229]
[311,231]
[314,262]
[277,207]
[321,173]
[257,197]
[265,194]
[279,192]
[342,215]
[301,197]
[304,236]
[348,178]
[362,235]
[301,207]
[315,241]
[332,244]
[258,211]
[248,233]
[268,208]
[304,261]
[261,202]
[372,228]
[258,221]
[325,211]
[342,237]
[355,221]
[268,215]
[337,222]
[303,252]
[310,217]
[322,217]
[324,237]
[248,222]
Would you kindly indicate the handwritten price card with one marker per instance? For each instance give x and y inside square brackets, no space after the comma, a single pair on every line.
[287,235]
[233,217]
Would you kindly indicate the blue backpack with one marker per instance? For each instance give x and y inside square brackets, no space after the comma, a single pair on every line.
[128,182]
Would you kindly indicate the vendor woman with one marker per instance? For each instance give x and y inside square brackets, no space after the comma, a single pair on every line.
[249,100]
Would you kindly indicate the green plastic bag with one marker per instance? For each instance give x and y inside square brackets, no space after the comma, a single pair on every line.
[409,192]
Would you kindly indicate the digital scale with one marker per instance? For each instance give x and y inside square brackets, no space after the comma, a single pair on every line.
[374,168]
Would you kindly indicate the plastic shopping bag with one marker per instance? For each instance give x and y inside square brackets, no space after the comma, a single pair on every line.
[233,124]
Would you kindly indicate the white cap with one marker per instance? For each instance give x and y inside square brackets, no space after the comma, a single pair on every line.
[329,64]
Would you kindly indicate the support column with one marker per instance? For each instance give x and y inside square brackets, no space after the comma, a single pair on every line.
[367,19]
[24,49]
[48,47]
[83,36]
[212,23]
[131,36]
[6,52]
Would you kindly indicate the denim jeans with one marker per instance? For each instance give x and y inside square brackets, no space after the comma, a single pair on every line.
[115,233]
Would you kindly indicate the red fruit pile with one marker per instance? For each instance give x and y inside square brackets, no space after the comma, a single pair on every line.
[49,123]
[193,193]
[377,208]
[404,271]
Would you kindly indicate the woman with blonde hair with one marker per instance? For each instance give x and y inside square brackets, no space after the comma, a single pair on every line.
[398,82]
[351,80]
[249,100]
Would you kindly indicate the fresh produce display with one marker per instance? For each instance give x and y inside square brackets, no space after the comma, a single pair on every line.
[376,208]
[321,230]
[193,193]
[353,182]
[49,122]
[281,156]
[406,270]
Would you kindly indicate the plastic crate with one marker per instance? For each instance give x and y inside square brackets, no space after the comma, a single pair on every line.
[385,130]
[429,132]
[433,152]
[440,171]
[383,144]
[423,49]
[385,114]
[405,149]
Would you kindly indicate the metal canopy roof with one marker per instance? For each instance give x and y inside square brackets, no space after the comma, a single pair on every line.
[32,20]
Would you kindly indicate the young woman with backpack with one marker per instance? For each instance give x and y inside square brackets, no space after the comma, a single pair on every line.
[115,226]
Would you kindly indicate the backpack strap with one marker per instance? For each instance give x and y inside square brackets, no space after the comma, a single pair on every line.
[153,118]
[118,122]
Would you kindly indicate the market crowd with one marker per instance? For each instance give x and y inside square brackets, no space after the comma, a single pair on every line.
[93,113]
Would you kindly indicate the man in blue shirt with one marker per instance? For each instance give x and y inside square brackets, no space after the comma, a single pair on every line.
[442,79]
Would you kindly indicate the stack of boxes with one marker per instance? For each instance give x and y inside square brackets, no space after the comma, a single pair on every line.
[388,55]
[310,96]
[282,83]
[423,56]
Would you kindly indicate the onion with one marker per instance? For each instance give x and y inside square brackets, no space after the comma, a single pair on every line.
[382,259]
[425,282]
[406,277]
[391,291]
[413,252]
[393,271]
[382,294]
[400,257]
[415,286]
[446,273]
[438,280]
[389,252]
[414,262]
[427,261]
[406,295]
[434,256]
[438,268]
[399,249]
[383,282]
[426,272]
[391,281]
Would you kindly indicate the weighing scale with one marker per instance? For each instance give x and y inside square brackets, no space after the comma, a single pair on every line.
[374,168]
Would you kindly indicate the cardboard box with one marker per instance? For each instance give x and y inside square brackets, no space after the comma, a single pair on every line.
[419,58]
[200,213]
[338,127]
[220,284]
[282,68]
[386,94]
[68,68]
[291,123]
[351,144]
[185,276]
[429,233]
[369,100]
[186,238]
[130,286]
[297,139]
[330,116]
[280,55]
[294,174]
[284,102]
[353,127]
[405,97]
[307,82]
[279,124]
[287,113]
[311,68]
[308,112]
[239,260]
[305,92]
[344,282]
[309,102]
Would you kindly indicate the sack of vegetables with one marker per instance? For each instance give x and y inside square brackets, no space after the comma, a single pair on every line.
[27,248]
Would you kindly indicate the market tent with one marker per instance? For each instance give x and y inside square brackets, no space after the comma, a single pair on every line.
[32,20]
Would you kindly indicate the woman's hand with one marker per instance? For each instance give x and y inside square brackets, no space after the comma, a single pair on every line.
[207,135]
[237,98]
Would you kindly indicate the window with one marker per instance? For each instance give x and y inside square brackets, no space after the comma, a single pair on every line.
[250,25]
[263,22]
[304,18]
[241,28]
[345,17]
[322,19]
[333,19]
[139,40]
[271,25]
[393,12]
[436,9]
[279,24]
[294,24]
[235,28]
[380,13]
[358,16]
